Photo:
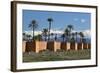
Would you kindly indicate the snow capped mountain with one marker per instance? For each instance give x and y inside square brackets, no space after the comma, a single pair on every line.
[87,33]
[31,32]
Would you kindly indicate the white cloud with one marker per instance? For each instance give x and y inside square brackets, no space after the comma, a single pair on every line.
[83,20]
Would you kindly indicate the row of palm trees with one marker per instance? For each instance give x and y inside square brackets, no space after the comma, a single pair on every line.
[68,35]
[47,34]
[33,25]
[72,37]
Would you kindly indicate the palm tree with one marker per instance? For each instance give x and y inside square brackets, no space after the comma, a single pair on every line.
[70,28]
[63,36]
[66,32]
[52,35]
[33,25]
[45,32]
[55,37]
[81,36]
[76,34]
[28,37]
[39,37]
[24,36]
[50,20]
[73,37]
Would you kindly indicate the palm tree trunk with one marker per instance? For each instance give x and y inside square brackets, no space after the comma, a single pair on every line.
[45,37]
[33,33]
[76,38]
[49,30]
[81,40]
[63,39]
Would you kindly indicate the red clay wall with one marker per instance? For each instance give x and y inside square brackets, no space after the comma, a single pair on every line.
[53,46]
[38,46]
[79,46]
[85,46]
[89,46]
[23,46]
[57,46]
[41,45]
[63,46]
[72,46]
[30,46]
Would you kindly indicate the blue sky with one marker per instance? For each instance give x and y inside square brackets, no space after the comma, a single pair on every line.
[80,21]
